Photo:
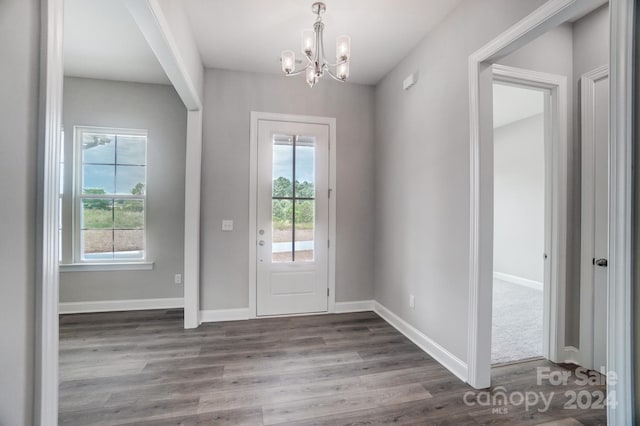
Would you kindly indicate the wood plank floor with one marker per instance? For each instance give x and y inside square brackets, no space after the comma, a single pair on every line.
[143,368]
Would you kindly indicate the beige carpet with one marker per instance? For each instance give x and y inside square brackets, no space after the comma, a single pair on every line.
[517,322]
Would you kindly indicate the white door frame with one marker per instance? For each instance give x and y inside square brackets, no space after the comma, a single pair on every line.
[253,201]
[587,181]
[155,28]
[555,198]
[620,300]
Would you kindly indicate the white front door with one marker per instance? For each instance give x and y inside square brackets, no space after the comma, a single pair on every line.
[292,217]
[595,219]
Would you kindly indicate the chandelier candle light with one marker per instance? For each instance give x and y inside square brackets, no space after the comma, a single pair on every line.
[313,50]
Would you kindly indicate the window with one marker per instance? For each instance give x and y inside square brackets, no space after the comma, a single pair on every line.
[110,194]
[293,199]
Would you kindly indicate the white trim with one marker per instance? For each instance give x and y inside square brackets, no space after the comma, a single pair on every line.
[101,267]
[192,184]
[549,15]
[120,305]
[513,279]
[620,337]
[151,20]
[440,354]
[153,24]
[556,148]
[253,194]
[587,222]
[78,184]
[45,406]
[356,306]
[218,315]
[571,355]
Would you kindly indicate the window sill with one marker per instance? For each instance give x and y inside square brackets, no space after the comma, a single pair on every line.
[101,267]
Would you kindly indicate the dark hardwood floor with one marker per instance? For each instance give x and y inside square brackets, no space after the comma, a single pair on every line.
[143,368]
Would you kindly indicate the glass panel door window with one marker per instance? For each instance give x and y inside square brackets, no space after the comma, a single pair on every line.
[293,199]
[110,194]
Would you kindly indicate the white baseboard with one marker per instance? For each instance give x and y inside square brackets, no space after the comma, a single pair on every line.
[440,354]
[119,305]
[218,315]
[357,306]
[513,279]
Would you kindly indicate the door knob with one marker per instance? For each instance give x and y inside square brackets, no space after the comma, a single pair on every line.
[601,262]
[261,242]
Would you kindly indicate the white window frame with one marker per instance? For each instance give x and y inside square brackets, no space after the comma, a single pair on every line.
[78,197]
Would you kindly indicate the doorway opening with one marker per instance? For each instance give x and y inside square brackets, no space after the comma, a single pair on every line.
[522,205]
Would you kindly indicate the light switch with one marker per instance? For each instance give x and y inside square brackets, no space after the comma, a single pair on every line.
[227,225]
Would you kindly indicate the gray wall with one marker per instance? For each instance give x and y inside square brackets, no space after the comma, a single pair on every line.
[158,109]
[422,174]
[422,168]
[230,97]
[19,50]
[519,176]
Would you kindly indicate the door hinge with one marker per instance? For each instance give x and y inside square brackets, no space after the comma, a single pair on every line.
[328,243]
[329,191]
[327,291]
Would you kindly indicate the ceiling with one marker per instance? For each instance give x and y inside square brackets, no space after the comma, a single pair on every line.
[248,35]
[101,40]
[513,103]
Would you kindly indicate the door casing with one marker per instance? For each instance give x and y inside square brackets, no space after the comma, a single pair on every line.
[253,201]
[554,89]
[588,182]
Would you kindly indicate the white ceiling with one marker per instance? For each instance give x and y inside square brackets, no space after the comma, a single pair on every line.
[101,40]
[249,35]
[513,103]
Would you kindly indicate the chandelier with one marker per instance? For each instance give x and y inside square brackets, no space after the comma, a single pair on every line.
[313,50]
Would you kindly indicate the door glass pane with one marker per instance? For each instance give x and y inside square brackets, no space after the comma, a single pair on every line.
[98,179]
[305,230]
[97,244]
[97,213]
[305,167]
[282,166]
[98,148]
[282,232]
[131,150]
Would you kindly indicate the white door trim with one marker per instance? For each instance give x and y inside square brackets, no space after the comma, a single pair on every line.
[620,337]
[546,17]
[45,404]
[587,222]
[555,195]
[253,195]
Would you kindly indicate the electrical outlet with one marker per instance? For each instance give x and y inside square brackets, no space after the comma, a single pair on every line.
[227,225]
[412,301]
[178,279]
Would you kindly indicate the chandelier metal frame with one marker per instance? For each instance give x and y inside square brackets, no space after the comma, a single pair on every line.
[314,52]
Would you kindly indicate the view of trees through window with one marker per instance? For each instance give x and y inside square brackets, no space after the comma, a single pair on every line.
[112,199]
[293,208]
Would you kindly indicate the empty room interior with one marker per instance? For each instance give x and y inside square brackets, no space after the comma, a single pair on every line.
[343,212]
